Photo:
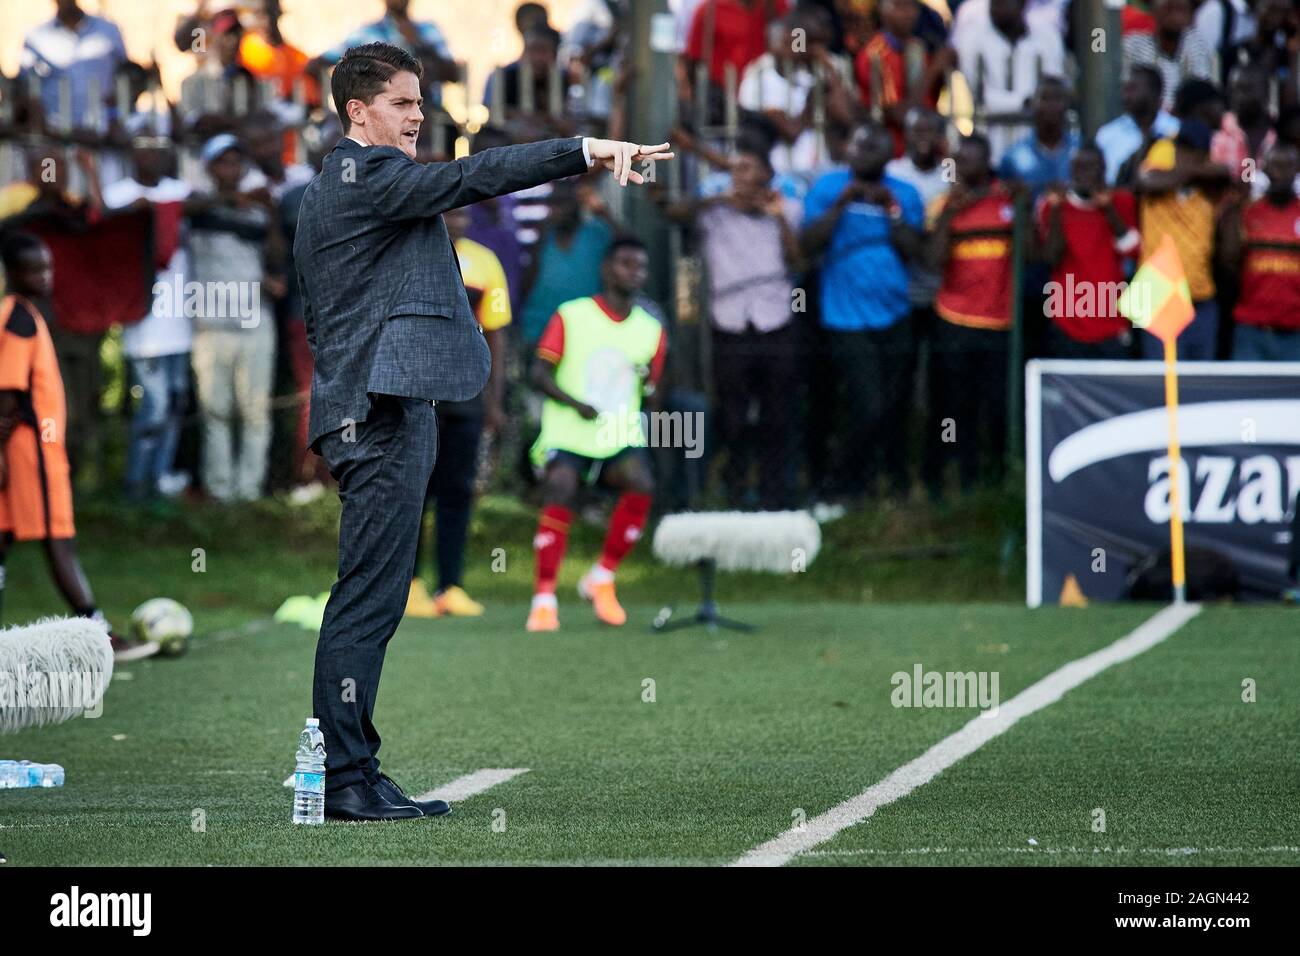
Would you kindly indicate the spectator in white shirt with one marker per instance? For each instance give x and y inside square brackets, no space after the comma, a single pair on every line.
[1175,49]
[922,166]
[780,84]
[1002,55]
[1225,25]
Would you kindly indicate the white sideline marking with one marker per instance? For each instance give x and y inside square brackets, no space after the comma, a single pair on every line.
[1056,851]
[462,788]
[980,730]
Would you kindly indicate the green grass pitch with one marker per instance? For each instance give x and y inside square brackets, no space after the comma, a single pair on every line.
[746,733]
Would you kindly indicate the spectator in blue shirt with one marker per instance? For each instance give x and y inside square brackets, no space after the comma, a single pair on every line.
[865,226]
[1042,159]
[1142,120]
[420,38]
[74,57]
[566,260]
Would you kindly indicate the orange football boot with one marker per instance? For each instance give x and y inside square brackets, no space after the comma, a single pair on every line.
[603,600]
[543,615]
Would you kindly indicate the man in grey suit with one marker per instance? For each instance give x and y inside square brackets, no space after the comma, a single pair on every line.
[391,331]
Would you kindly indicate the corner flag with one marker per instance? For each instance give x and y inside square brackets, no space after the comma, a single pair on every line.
[1158,300]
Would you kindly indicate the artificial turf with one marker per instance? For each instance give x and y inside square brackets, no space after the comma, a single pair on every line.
[744,732]
[1185,771]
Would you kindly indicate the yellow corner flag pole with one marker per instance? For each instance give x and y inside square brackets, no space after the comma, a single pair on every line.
[1161,277]
[1178,566]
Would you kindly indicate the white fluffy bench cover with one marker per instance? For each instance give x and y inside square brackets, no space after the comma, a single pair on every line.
[775,541]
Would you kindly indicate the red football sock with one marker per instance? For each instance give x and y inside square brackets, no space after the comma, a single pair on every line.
[549,543]
[625,526]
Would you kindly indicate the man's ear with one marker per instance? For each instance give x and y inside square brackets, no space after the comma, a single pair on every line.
[357,112]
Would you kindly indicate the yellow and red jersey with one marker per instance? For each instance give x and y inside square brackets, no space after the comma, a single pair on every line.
[976,287]
[1270,267]
[882,68]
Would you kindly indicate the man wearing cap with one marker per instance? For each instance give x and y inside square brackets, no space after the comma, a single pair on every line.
[236,261]
[391,332]
[221,91]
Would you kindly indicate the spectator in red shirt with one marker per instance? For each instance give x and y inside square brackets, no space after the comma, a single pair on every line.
[1087,232]
[971,245]
[725,33]
[892,68]
[1264,243]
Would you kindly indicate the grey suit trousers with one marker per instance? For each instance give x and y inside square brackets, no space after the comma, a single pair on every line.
[383,474]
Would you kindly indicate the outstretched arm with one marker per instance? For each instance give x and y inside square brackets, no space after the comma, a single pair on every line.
[404,189]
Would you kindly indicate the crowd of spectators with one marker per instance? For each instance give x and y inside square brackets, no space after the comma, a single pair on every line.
[879,194]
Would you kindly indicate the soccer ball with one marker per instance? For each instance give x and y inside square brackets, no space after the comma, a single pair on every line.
[165,622]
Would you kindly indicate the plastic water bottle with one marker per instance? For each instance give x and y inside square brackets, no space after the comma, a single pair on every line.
[309,776]
[24,773]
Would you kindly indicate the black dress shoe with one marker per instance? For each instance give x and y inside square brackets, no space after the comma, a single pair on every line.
[362,801]
[394,794]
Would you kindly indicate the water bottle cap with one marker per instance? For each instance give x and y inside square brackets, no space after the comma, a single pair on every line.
[313,721]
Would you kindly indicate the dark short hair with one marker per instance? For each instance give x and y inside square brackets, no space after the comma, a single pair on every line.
[980,140]
[868,125]
[1050,80]
[1193,93]
[1090,146]
[1288,118]
[545,33]
[261,119]
[14,245]
[755,150]
[526,10]
[756,131]
[624,241]
[364,70]
[1154,78]
[923,114]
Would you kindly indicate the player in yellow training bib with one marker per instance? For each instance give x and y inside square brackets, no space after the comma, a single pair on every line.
[596,359]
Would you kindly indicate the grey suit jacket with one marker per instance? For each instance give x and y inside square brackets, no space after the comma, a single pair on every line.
[383,299]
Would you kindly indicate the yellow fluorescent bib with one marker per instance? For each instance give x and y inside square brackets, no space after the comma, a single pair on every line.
[601,366]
